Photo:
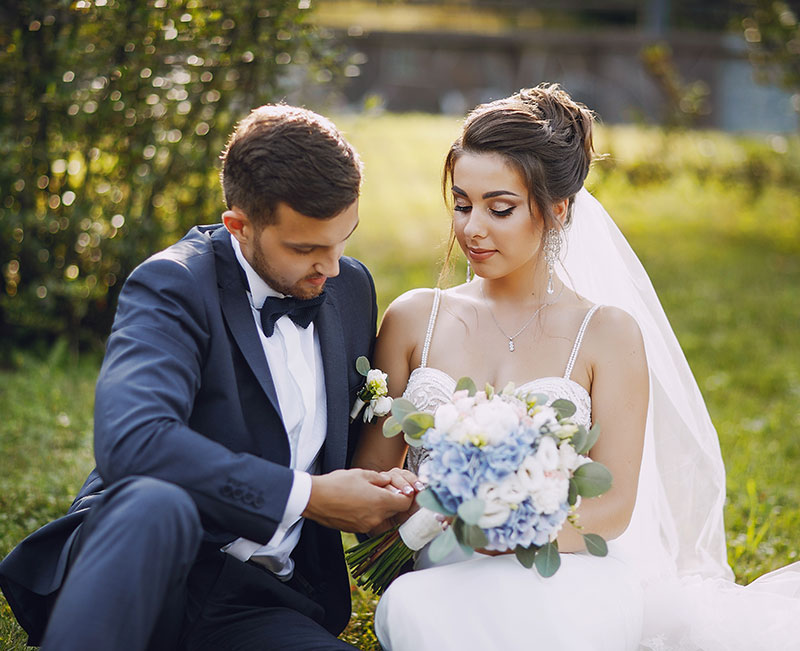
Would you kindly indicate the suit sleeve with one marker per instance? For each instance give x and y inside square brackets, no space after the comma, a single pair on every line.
[144,398]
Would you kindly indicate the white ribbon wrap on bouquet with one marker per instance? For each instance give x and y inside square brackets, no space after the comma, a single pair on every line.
[420,529]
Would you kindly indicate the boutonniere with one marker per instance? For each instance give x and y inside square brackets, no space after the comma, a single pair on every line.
[374,394]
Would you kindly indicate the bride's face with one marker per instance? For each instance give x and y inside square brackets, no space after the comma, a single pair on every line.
[492,218]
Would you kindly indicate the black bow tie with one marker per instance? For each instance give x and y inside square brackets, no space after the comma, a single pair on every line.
[302,312]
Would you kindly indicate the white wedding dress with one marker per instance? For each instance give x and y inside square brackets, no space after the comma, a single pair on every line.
[493,602]
[666,585]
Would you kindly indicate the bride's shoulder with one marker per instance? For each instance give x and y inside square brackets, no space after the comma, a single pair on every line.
[411,307]
[613,331]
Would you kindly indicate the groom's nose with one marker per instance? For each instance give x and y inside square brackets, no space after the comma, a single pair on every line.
[328,263]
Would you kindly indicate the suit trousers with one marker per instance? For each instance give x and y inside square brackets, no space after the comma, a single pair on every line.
[140,579]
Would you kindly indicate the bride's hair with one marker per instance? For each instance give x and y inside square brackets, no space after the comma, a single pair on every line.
[543,133]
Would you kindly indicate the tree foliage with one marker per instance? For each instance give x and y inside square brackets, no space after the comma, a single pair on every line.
[772,32]
[112,117]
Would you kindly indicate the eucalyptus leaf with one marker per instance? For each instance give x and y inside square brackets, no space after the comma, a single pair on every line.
[468,384]
[474,536]
[572,495]
[442,545]
[391,427]
[526,555]
[591,439]
[564,408]
[547,559]
[471,511]
[595,544]
[592,479]
[416,424]
[427,500]
[362,365]
[401,407]
[578,440]
[539,398]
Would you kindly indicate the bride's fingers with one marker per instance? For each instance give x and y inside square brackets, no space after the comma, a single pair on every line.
[404,481]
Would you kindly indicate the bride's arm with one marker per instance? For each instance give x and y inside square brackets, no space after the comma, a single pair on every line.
[401,334]
[618,376]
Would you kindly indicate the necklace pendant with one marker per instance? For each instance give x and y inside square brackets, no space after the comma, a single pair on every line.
[510,345]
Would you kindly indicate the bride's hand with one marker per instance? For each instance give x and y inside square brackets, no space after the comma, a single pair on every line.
[402,482]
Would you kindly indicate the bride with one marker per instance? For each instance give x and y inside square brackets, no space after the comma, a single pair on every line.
[560,305]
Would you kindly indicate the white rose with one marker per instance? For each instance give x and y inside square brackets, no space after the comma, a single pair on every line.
[552,494]
[544,416]
[376,381]
[381,406]
[445,417]
[511,491]
[495,511]
[530,474]
[547,453]
[568,458]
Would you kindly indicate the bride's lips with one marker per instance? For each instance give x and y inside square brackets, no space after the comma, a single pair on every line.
[480,255]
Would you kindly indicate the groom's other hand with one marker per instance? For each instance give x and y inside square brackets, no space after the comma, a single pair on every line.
[354,500]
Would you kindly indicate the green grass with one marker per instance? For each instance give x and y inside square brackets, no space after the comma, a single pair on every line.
[722,248]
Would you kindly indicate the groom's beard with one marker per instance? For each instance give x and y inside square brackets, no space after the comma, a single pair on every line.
[271,276]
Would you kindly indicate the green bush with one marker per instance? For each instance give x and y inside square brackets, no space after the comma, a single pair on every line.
[112,117]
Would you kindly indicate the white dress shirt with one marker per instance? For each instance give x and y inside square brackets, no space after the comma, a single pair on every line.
[295,363]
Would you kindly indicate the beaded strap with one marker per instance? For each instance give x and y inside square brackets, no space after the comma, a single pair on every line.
[431,322]
[579,340]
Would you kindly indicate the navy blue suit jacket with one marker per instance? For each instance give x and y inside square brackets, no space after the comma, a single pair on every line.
[185,395]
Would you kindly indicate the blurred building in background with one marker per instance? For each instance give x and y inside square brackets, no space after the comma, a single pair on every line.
[673,62]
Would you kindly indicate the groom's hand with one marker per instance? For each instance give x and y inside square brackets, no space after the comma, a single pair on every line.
[354,500]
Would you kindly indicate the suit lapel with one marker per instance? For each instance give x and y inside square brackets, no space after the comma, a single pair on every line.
[238,314]
[334,364]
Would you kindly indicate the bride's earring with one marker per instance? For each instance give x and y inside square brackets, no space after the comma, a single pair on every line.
[552,247]
[469,272]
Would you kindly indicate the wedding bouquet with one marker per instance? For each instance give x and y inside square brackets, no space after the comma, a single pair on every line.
[506,469]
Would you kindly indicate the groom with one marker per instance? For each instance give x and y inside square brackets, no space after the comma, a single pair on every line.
[222,425]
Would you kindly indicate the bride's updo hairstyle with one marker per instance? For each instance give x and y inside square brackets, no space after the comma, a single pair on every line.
[543,133]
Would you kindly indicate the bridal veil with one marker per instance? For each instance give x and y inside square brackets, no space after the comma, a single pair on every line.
[676,538]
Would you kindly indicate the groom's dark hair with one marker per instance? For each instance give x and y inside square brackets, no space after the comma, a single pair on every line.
[287,154]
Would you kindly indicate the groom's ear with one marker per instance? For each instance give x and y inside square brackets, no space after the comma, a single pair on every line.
[238,225]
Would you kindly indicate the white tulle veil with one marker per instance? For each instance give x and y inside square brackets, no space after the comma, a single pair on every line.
[676,538]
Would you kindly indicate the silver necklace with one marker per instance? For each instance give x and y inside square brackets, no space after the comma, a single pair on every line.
[511,339]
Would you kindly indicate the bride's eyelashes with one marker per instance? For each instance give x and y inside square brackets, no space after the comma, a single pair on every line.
[497,213]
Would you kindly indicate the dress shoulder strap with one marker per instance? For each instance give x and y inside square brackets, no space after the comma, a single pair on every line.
[579,340]
[437,293]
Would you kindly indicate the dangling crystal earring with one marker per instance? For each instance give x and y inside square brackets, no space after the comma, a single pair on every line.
[552,247]
[469,272]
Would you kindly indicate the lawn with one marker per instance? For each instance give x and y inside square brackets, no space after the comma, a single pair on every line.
[714,218]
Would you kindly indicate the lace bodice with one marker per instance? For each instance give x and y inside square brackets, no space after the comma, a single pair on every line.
[427,387]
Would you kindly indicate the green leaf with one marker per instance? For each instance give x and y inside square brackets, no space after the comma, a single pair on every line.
[572,495]
[578,440]
[538,398]
[467,383]
[427,499]
[525,555]
[564,408]
[488,390]
[402,408]
[592,479]
[475,537]
[595,544]
[362,365]
[547,559]
[442,545]
[391,427]
[591,439]
[471,511]
[416,424]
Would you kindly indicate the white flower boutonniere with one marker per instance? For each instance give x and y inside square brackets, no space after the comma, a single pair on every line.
[374,393]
